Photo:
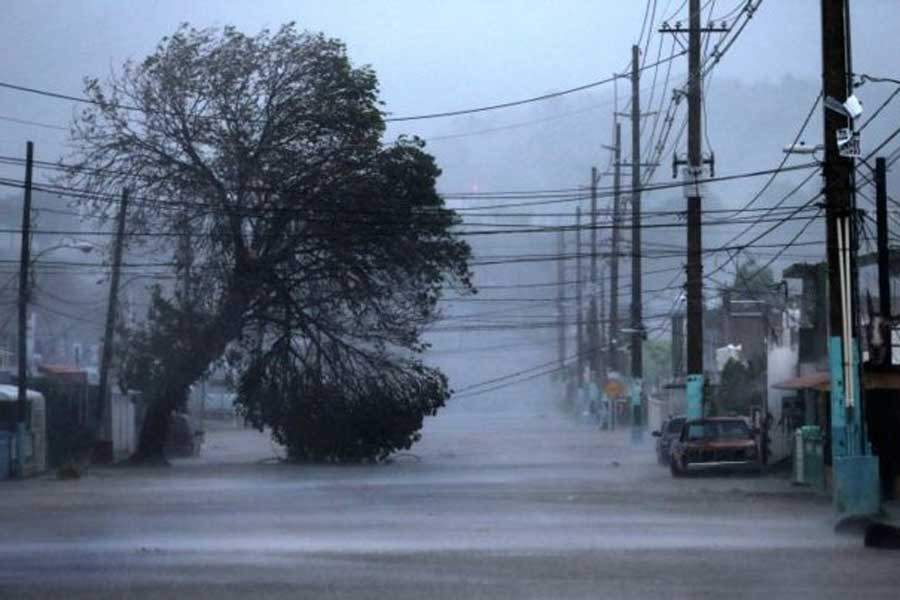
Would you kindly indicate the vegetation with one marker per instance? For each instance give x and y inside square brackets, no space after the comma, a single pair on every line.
[750,277]
[318,254]
[657,360]
[740,389]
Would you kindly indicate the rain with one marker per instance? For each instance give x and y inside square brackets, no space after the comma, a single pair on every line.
[360,299]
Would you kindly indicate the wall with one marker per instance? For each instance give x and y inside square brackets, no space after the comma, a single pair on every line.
[782,365]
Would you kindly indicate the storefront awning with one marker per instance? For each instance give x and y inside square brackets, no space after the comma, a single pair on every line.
[810,381]
[820,381]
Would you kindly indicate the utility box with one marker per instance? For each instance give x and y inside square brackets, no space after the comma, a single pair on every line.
[857,489]
[809,457]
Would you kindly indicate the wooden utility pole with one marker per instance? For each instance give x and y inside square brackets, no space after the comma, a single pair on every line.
[600,320]
[694,279]
[111,308]
[837,171]
[613,353]
[856,481]
[579,315]
[594,318]
[884,258]
[24,266]
[560,306]
[637,327]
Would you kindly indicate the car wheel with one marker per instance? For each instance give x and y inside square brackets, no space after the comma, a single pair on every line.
[674,468]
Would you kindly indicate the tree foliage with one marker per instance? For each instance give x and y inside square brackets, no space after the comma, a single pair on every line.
[750,277]
[740,388]
[314,246]
[364,411]
[658,360]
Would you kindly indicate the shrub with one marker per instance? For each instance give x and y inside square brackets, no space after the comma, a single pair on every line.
[353,419]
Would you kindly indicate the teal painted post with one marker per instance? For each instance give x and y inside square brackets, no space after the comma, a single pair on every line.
[694,396]
[637,426]
[857,488]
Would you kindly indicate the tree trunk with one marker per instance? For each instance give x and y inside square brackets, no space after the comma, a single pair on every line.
[152,441]
[181,369]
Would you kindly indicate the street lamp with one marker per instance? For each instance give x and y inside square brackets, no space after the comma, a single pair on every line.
[82,245]
[802,148]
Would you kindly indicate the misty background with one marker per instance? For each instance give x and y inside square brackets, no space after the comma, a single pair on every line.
[442,56]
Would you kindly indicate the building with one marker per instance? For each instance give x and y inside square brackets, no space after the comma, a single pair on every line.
[808,388]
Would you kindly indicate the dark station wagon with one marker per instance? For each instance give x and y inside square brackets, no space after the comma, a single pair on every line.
[668,432]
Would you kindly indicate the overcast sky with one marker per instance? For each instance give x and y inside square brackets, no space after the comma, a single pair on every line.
[430,56]
[433,56]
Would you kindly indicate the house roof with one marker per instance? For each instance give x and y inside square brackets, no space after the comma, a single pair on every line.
[68,373]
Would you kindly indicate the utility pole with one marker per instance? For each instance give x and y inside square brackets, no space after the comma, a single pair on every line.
[637,326]
[111,307]
[613,353]
[560,306]
[884,258]
[24,262]
[693,192]
[594,316]
[600,320]
[579,315]
[856,479]
[694,279]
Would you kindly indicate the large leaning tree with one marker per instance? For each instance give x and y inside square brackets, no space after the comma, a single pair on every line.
[318,252]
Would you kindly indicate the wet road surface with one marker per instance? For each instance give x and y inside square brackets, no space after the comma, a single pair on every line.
[486,506]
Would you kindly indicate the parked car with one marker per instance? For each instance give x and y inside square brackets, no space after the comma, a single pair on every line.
[714,443]
[668,432]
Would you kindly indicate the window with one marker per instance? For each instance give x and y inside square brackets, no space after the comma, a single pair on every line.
[733,430]
[674,425]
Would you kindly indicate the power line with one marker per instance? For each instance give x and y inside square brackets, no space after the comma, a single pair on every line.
[646,188]
[34,123]
[762,235]
[196,206]
[435,115]
[781,165]
[542,97]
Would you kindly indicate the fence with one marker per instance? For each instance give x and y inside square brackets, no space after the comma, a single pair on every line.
[124,427]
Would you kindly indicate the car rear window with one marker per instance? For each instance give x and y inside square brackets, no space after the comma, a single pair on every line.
[701,431]
[733,430]
[675,425]
[729,430]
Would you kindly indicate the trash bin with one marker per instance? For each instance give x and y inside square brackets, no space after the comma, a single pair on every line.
[6,438]
[809,457]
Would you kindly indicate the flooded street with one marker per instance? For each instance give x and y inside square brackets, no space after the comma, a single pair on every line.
[472,264]
[487,505]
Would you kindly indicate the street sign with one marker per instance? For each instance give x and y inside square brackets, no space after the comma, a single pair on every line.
[613,388]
